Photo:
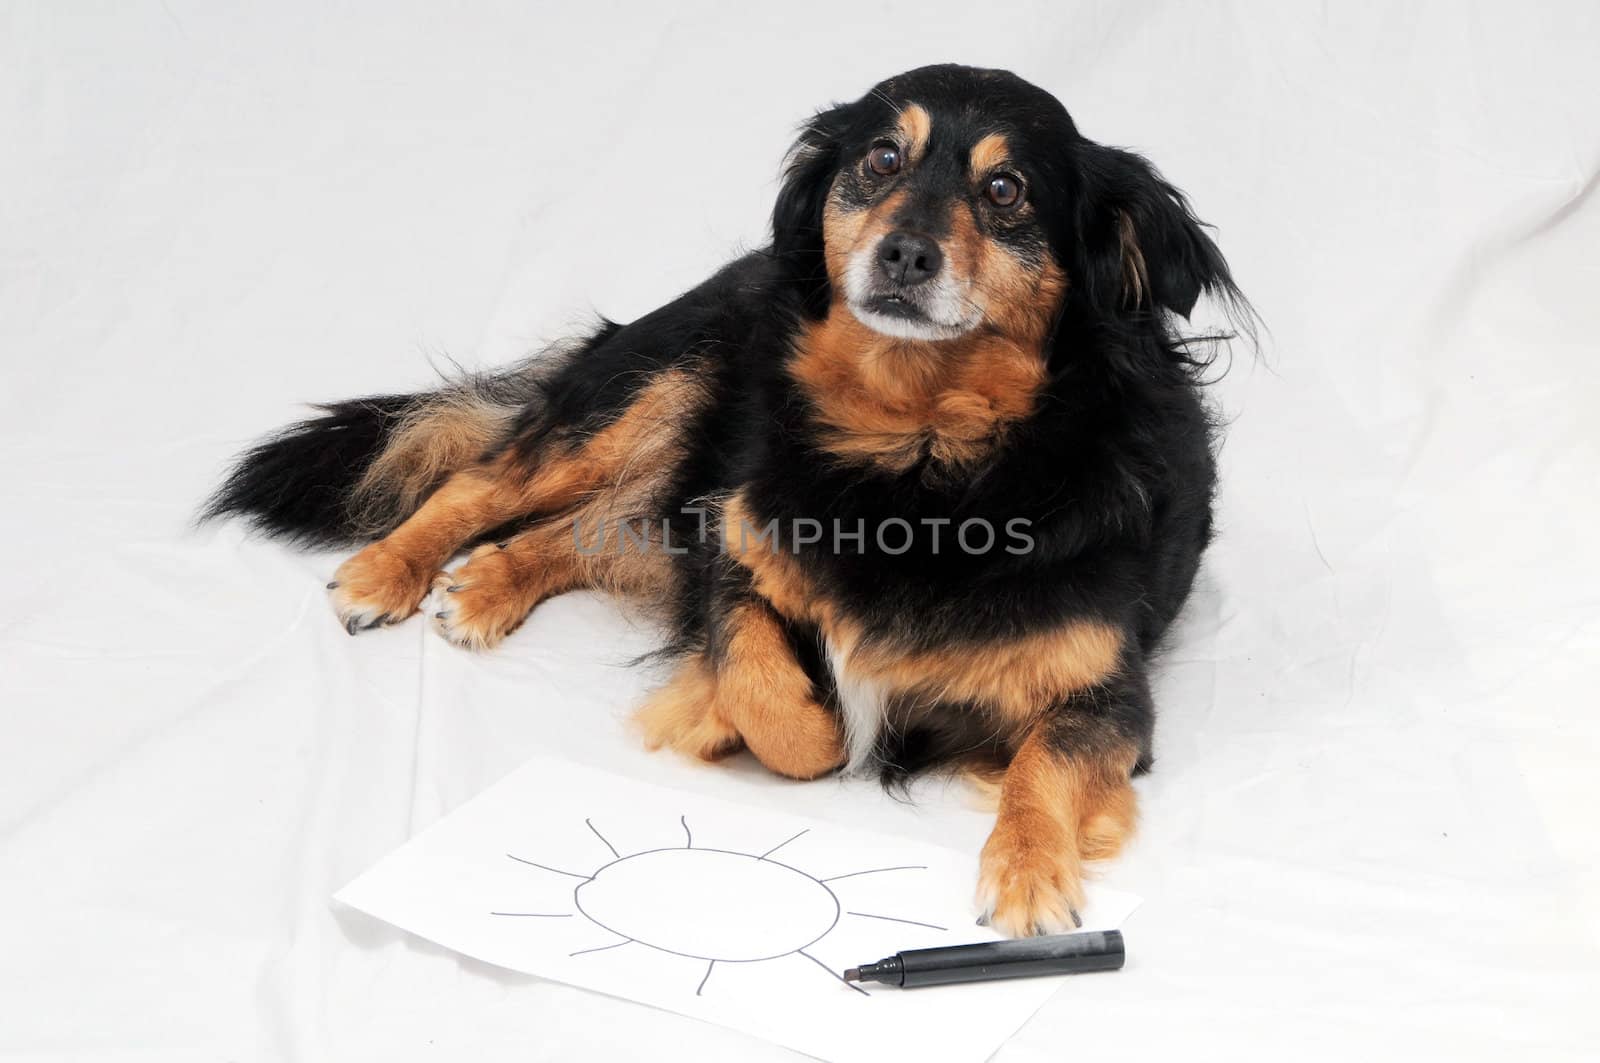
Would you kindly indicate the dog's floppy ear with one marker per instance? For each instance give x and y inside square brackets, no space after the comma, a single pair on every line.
[797,215]
[1142,244]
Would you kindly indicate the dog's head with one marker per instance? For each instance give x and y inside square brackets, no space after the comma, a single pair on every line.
[952,200]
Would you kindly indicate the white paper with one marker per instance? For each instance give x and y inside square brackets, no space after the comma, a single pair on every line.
[736,916]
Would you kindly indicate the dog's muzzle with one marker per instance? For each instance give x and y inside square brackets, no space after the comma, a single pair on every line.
[901,288]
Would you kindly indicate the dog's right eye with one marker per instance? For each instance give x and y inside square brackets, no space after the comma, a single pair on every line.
[884,159]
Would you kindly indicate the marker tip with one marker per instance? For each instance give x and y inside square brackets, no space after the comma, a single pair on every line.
[852,974]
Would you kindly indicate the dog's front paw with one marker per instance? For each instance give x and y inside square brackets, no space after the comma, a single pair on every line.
[375,587]
[1029,883]
[683,715]
[797,739]
[483,601]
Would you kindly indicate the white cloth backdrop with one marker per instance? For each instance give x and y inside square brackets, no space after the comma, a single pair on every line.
[1371,830]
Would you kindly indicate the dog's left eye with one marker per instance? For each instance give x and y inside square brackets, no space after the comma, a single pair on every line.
[1005,190]
[884,159]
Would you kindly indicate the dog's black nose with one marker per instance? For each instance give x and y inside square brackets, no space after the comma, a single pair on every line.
[909,258]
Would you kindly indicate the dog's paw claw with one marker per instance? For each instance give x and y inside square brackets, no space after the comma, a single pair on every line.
[373,589]
[1028,887]
[479,604]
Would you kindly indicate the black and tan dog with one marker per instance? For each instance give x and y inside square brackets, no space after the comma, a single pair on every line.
[921,483]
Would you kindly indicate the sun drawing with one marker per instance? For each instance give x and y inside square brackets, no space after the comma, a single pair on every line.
[726,906]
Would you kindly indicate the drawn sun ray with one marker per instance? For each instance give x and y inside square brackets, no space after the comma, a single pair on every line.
[897,919]
[832,972]
[547,867]
[781,844]
[720,905]
[590,824]
[602,948]
[875,871]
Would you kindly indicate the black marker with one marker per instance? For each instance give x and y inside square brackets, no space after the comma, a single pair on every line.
[986,962]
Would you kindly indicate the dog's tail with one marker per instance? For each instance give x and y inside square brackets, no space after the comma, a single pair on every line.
[360,467]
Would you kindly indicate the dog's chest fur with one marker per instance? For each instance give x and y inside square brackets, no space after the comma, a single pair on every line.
[863,704]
